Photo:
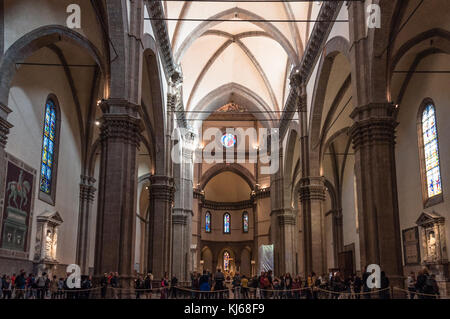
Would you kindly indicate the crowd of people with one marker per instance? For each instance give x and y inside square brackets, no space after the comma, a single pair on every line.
[32,286]
[424,286]
[266,285]
[206,285]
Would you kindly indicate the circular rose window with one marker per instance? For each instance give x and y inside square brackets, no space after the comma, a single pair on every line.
[228,140]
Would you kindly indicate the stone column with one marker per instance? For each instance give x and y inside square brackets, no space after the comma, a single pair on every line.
[182,213]
[282,225]
[87,195]
[373,135]
[160,225]
[286,237]
[120,137]
[312,196]
[338,233]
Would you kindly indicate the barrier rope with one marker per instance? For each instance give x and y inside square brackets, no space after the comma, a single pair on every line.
[281,290]
[152,290]
[353,293]
[418,293]
[59,290]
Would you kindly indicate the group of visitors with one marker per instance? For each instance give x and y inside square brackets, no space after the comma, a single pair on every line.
[32,286]
[424,286]
[218,285]
[268,286]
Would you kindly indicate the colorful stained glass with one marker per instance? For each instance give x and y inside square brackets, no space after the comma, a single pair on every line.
[226,261]
[48,146]
[228,140]
[431,149]
[208,222]
[226,223]
[245,222]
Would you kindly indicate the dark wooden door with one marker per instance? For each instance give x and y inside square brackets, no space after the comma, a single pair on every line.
[345,260]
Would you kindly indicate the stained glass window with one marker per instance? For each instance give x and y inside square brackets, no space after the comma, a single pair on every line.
[48,147]
[208,222]
[226,223]
[226,261]
[245,222]
[431,151]
[228,140]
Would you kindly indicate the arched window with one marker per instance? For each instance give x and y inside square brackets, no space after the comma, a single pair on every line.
[208,222]
[226,261]
[429,151]
[245,222]
[50,143]
[226,223]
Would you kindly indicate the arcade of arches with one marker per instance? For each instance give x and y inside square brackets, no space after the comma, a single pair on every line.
[91,118]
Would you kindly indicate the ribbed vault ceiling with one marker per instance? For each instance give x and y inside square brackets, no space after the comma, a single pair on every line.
[256,55]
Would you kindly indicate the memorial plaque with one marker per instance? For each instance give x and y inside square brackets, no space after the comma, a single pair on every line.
[411,246]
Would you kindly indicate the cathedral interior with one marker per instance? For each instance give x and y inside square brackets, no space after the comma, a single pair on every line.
[121,122]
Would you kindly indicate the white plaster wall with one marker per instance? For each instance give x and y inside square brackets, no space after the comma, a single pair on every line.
[348,209]
[24,16]
[409,186]
[30,89]
[340,28]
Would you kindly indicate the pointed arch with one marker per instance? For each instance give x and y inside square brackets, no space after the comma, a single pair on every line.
[41,37]
[244,14]
[238,94]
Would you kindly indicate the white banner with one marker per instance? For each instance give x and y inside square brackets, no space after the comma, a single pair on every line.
[265,258]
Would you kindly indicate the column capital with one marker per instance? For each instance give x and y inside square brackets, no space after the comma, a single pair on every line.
[182,211]
[286,219]
[180,219]
[312,188]
[162,188]
[123,127]
[87,189]
[5,126]
[374,124]
[119,106]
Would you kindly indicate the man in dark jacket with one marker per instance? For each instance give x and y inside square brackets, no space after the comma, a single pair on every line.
[365,286]
[20,285]
[104,285]
[357,284]
[384,292]
[173,287]
[219,278]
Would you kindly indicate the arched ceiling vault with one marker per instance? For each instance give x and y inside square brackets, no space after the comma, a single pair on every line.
[254,53]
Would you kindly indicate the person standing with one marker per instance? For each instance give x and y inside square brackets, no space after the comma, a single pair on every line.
[435,286]
[104,285]
[164,287]
[173,287]
[148,284]
[244,287]
[366,289]
[19,284]
[115,284]
[138,286]
[237,286]
[411,283]
[61,288]
[40,283]
[219,279]
[6,287]
[204,285]
[384,292]
[357,284]
[54,288]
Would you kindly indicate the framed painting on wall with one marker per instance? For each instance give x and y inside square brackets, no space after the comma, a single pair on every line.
[411,246]
[17,210]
